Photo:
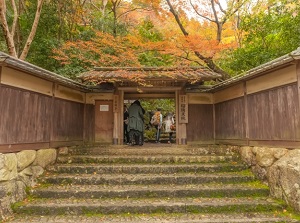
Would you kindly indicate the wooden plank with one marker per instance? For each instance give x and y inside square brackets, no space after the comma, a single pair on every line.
[200,98]
[116,119]
[65,143]
[297,124]
[89,128]
[274,114]
[92,97]
[176,116]
[26,81]
[25,116]
[69,94]
[201,142]
[214,122]
[121,117]
[52,112]
[230,119]
[1,68]
[133,96]
[233,92]
[201,128]
[275,143]
[104,121]
[9,148]
[274,79]
[246,121]
[67,120]
[183,109]
[238,142]
[149,89]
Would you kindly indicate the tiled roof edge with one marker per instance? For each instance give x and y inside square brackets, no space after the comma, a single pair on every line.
[294,55]
[40,72]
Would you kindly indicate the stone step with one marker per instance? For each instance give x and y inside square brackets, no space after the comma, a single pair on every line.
[130,179]
[153,149]
[158,218]
[74,206]
[111,159]
[146,168]
[150,191]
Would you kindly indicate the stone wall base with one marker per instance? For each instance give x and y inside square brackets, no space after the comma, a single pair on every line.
[279,168]
[19,171]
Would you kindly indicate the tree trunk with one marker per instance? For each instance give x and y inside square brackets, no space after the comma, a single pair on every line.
[7,34]
[33,30]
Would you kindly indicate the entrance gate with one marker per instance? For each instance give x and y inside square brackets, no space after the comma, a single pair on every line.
[119,84]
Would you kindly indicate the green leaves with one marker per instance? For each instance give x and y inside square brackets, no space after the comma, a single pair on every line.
[269,34]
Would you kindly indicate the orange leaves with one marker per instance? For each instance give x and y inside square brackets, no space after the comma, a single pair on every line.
[103,50]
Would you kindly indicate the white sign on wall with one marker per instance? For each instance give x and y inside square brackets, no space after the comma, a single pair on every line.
[104,107]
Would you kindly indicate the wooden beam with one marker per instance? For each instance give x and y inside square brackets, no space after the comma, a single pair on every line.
[238,142]
[66,143]
[246,121]
[277,78]
[200,98]
[232,92]
[275,143]
[149,89]
[0,75]
[9,148]
[148,96]
[298,88]
[179,69]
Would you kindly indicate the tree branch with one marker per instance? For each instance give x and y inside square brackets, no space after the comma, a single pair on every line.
[202,16]
[185,33]
[8,36]
[15,21]
[33,30]
[207,60]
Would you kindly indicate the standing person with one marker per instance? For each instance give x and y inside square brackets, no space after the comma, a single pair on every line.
[136,123]
[126,119]
[169,126]
[156,120]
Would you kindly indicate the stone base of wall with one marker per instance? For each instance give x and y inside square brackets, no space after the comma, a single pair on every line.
[19,171]
[279,168]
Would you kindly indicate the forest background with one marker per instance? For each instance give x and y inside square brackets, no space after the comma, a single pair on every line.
[72,36]
[69,37]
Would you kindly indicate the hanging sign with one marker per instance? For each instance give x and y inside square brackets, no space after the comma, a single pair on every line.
[116,103]
[183,109]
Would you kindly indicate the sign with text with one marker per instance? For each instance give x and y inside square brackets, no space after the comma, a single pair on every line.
[104,107]
[183,109]
[116,103]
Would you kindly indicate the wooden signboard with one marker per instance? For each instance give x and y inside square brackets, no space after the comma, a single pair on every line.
[116,103]
[183,109]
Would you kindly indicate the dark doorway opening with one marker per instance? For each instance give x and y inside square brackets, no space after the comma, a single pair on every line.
[151,105]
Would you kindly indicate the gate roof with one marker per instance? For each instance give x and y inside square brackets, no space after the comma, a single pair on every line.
[148,76]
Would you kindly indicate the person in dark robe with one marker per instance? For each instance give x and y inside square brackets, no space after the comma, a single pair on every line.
[136,123]
[126,120]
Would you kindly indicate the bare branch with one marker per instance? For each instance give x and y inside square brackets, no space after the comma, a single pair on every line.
[185,33]
[220,6]
[202,16]
[214,11]
[131,10]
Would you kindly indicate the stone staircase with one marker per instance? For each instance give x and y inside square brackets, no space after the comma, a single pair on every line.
[152,183]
